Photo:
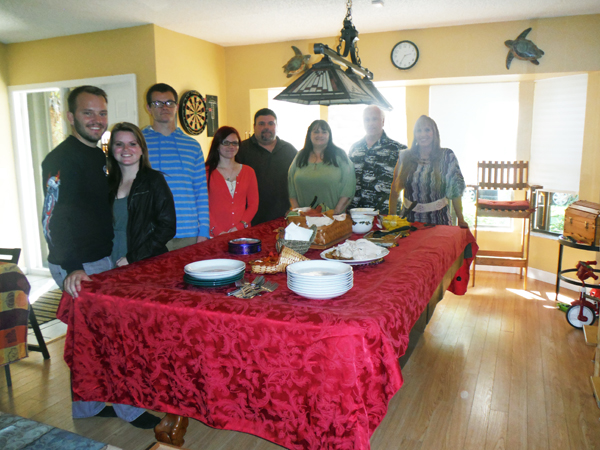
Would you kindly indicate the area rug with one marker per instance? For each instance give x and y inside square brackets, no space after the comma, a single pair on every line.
[17,433]
[46,305]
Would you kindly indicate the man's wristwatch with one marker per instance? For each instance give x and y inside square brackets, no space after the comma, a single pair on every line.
[244,223]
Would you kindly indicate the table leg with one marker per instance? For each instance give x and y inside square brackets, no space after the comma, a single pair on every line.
[560,255]
[171,429]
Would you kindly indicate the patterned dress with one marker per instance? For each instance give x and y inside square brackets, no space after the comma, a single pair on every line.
[421,186]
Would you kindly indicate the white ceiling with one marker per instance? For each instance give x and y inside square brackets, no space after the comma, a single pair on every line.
[239,22]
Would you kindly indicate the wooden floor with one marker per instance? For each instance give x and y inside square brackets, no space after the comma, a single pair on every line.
[498,368]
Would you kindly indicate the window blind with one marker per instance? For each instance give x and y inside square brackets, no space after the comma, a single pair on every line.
[557,132]
[477,121]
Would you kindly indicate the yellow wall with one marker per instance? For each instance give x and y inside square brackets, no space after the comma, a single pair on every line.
[461,54]
[106,53]
[10,237]
[187,63]
[152,53]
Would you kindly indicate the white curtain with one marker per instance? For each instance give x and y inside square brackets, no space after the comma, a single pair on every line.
[477,121]
[557,134]
[293,119]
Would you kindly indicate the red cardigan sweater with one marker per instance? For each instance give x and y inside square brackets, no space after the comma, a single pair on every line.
[227,212]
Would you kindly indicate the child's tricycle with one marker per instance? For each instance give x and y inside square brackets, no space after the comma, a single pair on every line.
[584,310]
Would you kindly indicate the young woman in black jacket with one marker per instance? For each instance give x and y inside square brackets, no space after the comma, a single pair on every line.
[143,207]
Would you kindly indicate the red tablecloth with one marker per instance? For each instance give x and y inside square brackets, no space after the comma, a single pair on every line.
[301,373]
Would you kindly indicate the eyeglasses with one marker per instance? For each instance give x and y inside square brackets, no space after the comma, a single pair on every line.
[230,143]
[168,104]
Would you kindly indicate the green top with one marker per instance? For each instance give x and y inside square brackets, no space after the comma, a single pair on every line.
[326,181]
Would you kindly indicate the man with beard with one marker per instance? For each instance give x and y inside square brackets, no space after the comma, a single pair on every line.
[270,157]
[374,159]
[77,219]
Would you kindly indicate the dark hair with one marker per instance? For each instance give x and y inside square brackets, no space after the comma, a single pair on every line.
[264,112]
[72,99]
[213,158]
[114,171]
[331,153]
[411,160]
[160,87]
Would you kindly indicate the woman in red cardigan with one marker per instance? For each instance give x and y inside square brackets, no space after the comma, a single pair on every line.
[232,187]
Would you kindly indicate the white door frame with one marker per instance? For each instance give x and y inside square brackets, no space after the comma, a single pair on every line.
[17,96]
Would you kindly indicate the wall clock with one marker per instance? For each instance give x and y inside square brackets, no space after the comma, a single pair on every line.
[192,113]
[405,55]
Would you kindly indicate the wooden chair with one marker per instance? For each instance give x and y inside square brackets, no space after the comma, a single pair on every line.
[505,175]
[12,255]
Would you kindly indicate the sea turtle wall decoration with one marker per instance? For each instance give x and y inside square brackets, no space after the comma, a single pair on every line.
[297,64]
[524,49]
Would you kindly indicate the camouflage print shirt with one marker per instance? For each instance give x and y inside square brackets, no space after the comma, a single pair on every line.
[374,168]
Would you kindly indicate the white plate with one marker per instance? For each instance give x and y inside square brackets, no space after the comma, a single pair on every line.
[384,253]
[319,286]
[321,296]
[312,285]
[318,268]
[214,268]
[296,288]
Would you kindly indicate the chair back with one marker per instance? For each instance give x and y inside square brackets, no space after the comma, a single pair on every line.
[10,255]
[503,175]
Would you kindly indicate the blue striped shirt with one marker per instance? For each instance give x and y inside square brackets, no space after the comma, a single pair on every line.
[180,158]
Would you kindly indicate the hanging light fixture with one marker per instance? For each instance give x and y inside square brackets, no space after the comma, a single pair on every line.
[326,83]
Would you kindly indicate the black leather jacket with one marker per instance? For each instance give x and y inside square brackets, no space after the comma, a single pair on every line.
[151,210]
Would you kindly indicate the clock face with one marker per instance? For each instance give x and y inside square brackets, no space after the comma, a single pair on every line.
[192,113]
[405,55]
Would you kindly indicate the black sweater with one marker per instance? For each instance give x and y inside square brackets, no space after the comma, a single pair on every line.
[76,217]
[151,221]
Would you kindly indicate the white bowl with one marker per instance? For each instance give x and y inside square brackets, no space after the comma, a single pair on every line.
[361,223]
[365,211]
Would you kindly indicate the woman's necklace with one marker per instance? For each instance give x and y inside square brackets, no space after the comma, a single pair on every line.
[318,159]
[229,174]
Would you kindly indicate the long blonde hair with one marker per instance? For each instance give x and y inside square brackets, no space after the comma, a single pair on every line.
[411,159]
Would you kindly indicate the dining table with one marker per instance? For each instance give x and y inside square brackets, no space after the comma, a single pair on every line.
[302,373]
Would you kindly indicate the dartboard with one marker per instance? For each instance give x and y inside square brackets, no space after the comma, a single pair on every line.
[192,113]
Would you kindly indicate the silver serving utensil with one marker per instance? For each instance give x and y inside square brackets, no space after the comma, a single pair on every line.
[267,287]
[239,284]
[249,288]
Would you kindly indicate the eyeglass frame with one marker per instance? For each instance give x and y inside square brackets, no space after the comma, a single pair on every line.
[230,144]
[159,104]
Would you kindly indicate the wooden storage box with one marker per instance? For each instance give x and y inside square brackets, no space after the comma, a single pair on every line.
[582,222]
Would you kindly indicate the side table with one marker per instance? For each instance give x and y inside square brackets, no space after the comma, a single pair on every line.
[562,243]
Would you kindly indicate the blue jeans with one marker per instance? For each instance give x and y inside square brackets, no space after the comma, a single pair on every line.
[81,409]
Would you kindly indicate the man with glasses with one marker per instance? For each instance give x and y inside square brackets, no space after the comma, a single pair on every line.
[374,158]
[180,158]
[270,157]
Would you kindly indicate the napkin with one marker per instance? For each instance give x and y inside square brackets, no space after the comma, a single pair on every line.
[322,221]
[359,249]
[295,233]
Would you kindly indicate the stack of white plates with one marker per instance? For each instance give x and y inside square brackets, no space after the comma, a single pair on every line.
[320,279]
[214,272]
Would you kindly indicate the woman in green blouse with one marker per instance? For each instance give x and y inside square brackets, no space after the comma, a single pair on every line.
[322,170]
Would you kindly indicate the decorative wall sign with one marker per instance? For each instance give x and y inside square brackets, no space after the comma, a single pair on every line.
[192,113]
[524,49]
[297,63]
[212,117]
